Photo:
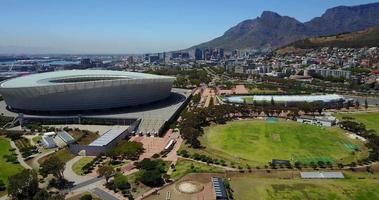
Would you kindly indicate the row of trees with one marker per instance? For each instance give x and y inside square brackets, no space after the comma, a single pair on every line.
[371,136]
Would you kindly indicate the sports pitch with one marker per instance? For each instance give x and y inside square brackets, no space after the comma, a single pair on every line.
[257,142]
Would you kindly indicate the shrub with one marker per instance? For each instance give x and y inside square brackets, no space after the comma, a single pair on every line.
[2,185]
[86,197]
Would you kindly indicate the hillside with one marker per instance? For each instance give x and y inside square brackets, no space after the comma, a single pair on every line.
[365,38]
[273,30]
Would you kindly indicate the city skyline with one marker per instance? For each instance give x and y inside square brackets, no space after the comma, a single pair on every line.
[94,27]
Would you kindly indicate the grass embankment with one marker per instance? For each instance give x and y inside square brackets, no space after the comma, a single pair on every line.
[6,168]
[184,167]
[370,119]
[64,154]
[257,142]
[77,167]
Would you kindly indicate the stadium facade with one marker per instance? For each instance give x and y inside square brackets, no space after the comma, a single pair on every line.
[77,90]
[327,99]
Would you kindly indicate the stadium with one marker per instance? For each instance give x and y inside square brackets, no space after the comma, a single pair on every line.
[329,100]
[80,90]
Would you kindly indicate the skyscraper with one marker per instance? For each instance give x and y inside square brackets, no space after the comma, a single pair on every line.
[198,54]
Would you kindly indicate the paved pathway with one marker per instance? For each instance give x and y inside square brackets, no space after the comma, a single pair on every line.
[70,175]
[103,194]
[19,156]
[35,164]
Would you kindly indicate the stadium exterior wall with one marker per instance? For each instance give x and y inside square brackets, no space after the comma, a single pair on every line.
[92,95]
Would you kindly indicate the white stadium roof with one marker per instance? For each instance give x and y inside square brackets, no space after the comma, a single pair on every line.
[72,76]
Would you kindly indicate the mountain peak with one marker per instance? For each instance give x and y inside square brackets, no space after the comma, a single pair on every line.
[270,14]
[274,30]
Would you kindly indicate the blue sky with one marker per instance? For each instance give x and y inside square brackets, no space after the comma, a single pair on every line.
[133,26]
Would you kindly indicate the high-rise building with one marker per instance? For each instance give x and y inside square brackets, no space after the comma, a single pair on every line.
[198,54]
[85,61]
[221,53]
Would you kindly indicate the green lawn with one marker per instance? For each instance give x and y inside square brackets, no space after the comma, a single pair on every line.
[249,187]
[257,142]
[371,120]
[184,167]
[262,91]
[77,167]
[6,169]
[37,138]
[64,154]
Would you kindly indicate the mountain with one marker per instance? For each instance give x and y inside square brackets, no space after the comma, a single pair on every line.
[366,38]
[273,30]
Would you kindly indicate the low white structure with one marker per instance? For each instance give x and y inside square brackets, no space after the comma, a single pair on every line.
[322,175]
[318,121]
[326,98]
[51,134]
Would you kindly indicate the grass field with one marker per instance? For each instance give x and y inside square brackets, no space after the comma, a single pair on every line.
[64,154]
[371,120]
[249,187]
[6,169]
[77,167]
[186,166]
[261,91]
[258,142]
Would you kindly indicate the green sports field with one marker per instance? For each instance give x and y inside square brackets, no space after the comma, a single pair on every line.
[6,169]
[360,186]
[371,120]
[257,142]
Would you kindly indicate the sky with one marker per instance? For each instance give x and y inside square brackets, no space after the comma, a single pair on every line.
[134,26]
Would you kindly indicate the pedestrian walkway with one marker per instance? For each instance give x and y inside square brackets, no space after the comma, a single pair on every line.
[19,156]
[71,176]
[103,194]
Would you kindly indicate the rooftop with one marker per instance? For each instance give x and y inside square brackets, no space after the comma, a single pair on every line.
[286,98]
[322,175]
[108,137]
[74,76]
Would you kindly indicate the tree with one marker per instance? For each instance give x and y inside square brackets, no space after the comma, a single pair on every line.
[121,182]
[86,197]
[196,98]
[107,171]
[152,178]
[127,149]
[54,166]
[2,185]
[356,104]
[151,172]
[272,101]
[366,104]
[23,186]
[41,195]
